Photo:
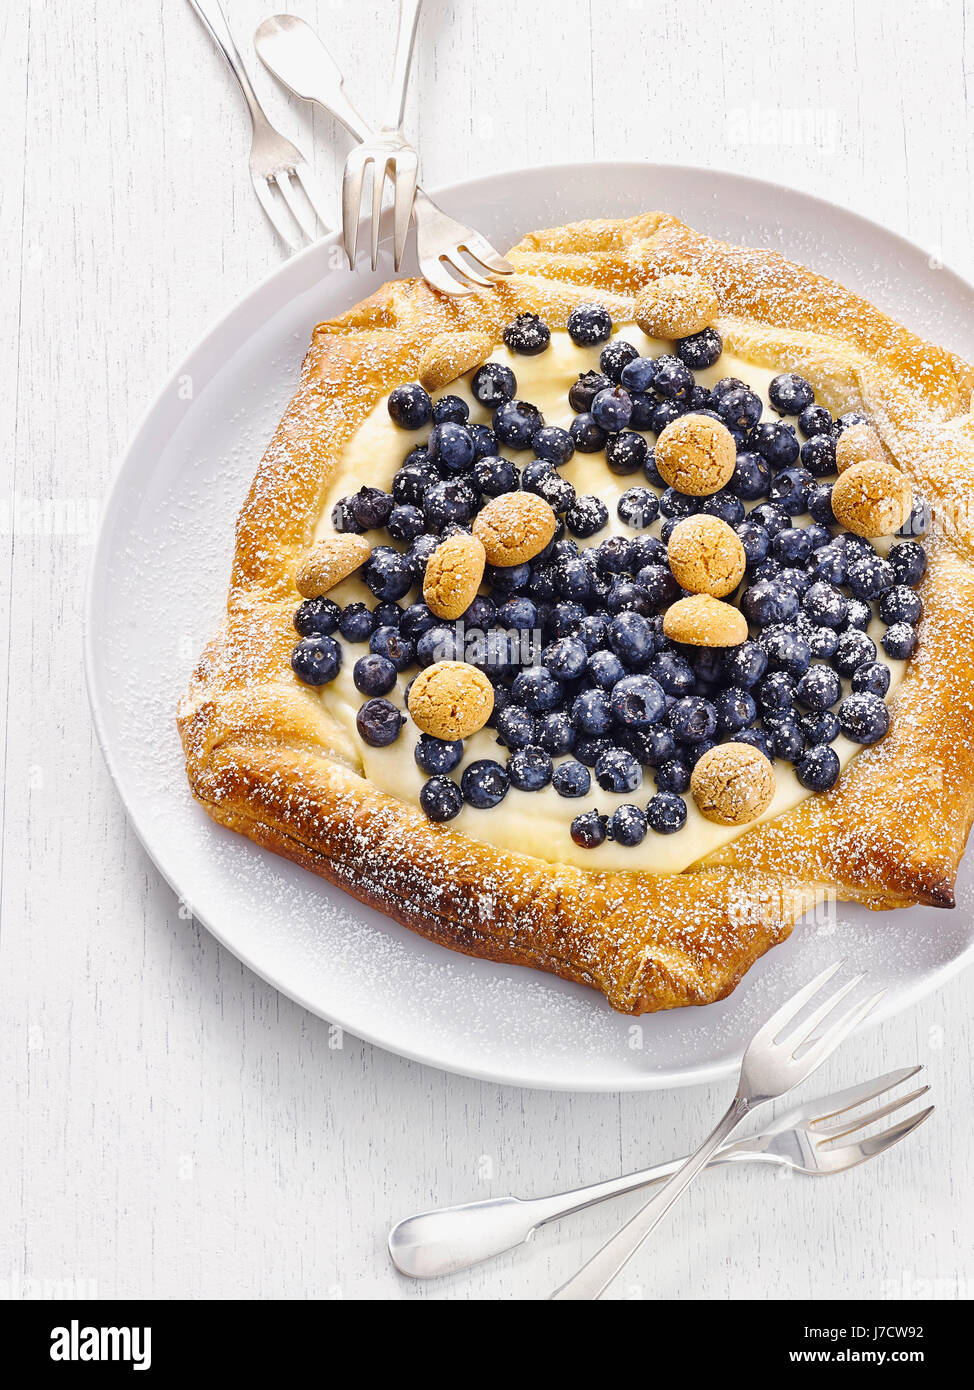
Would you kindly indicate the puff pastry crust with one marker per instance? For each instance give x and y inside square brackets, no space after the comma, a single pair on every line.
[265,758]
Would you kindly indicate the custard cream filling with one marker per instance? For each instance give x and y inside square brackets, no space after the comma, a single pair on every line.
[537,823]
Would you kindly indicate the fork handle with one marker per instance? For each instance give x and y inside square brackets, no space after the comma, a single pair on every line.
[593,1278]
[211,13]
[293,52]
[447,1240]
[405,39]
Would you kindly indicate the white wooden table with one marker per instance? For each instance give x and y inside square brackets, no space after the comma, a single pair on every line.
[172,1126]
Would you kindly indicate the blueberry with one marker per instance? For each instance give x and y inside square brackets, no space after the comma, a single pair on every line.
[854,649]
[627,825]
[639,374]
[819,726]
[437,644]
[653,474]
[612,408]
[484,441]
[591,713]
[725,506]
[516,423]
[589,324]
[726,384]
[673,775]
[700,350]
[859,615]
[484,784]
[379,722]
[370,508]
[374,675]
[566,658]
[638,701]
[630,636]
[846,422]
[556,490]
[823,642]
[571,779]
[618,771]
[735,708]
[538,691]
[316,660]
[666,813]
[870,577]
[664,413]
[755,540]
[864,717]
[410,406]
[555,732]
[755,738]
[356,623]
[814,419]
[564,619]
[625,452]
[405,523]
[818,455]
[643,410]
[819,504]
[410,483]
[590,747]
[818,770]
[418,554]
[343,517]
[495,476]
[440,799]
[588,830]
[650,747]
[830,565]
[638,508]
[751,478]
[899,641]
[572,579]
[790,393]
[604,669]
[908,562]
[554,445]
[787,650]
[739,409]
[529,769]
[586,516]
[792,547]
[493,384]
[769,601]
[388,642]
[819,688]
[387,573]
[787,740]
[900,605]
[587,435]
[437,756]
[591,630]
[873,677]
[518,614]
[673,673]
[449,501]
[776,691]
[825,605]
[673,380]
[744,665]
[582,392]
[692,719]
[789,490]
[615,356]
[771,516]
[918,522]
[527,335]
[318,617]
[450,408]
[775,442]
[515,727]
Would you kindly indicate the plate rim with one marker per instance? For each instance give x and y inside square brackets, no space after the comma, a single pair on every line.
[155,414]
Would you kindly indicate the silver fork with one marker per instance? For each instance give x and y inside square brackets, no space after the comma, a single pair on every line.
[389,155]
[805,1139]
[453,258]
[769,1069]
[274,161]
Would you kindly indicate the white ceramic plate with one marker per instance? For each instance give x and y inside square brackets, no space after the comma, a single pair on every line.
[158,586]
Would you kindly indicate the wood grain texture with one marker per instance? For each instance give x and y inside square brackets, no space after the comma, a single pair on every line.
[173,1126]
